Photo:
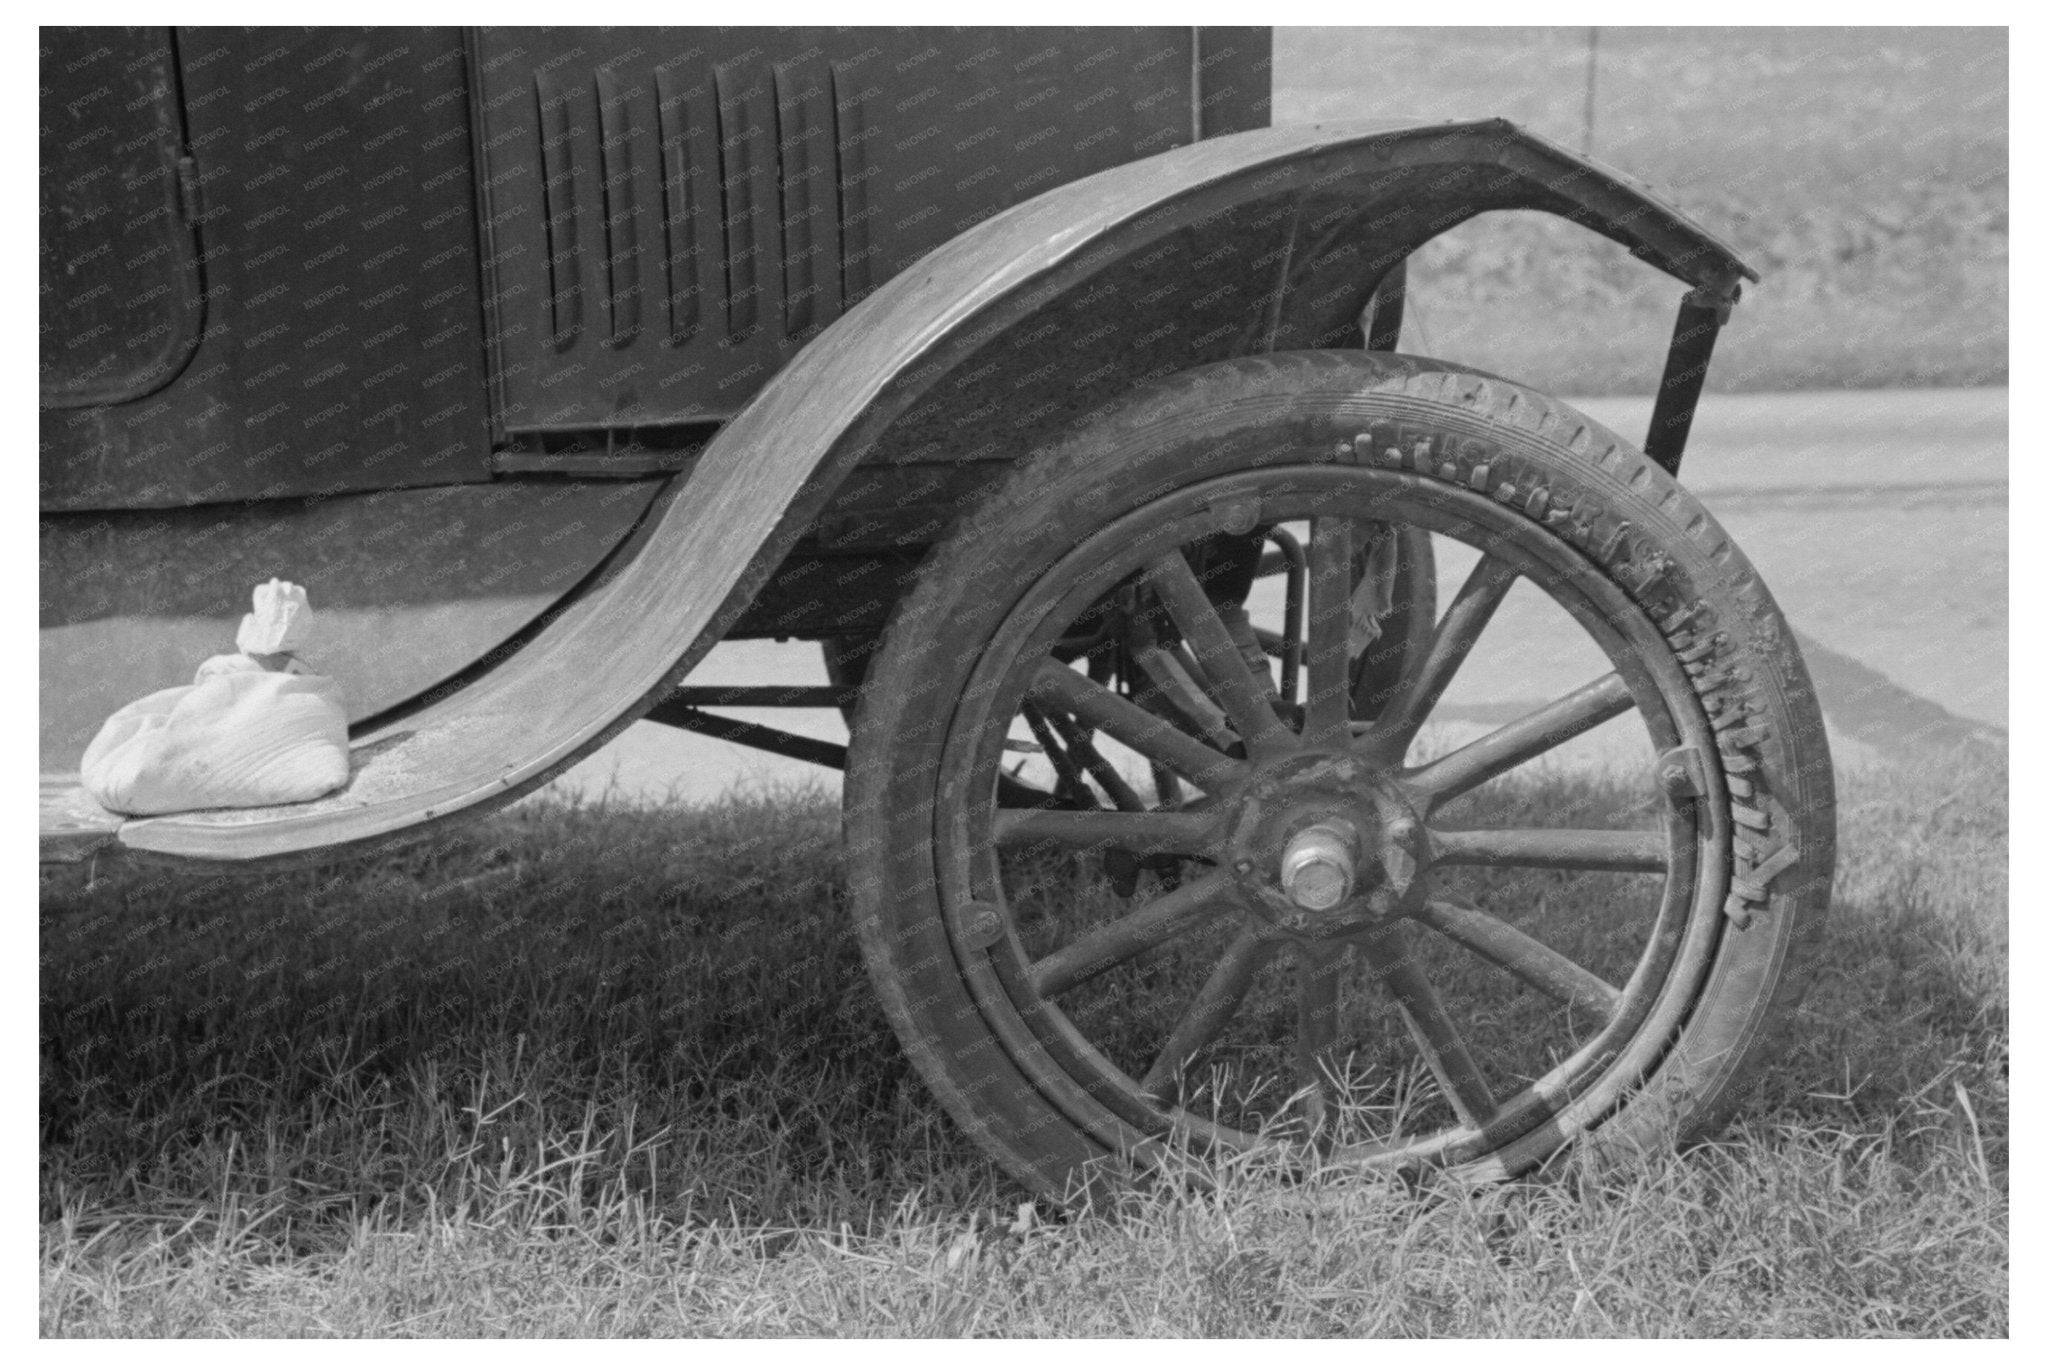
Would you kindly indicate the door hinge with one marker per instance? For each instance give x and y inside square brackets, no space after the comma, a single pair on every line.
[188,189]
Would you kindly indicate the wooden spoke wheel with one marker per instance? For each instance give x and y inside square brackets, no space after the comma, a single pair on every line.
[1144,857]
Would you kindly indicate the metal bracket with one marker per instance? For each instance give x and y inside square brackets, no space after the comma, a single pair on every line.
[1236,515]
[1681,773]
[979,924]
[1701,315]
[1381,323]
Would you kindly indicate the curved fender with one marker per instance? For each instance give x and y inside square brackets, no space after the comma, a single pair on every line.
[1008,332]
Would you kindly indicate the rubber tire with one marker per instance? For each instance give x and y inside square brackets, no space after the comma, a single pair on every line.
[1535,455]
[847,658]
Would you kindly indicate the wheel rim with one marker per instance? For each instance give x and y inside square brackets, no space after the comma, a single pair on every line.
[1306,788]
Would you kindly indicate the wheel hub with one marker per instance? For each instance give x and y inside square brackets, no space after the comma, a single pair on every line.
[1320,864]
[1324,844]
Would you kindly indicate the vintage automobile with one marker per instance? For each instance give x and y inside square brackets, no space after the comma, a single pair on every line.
[1060,399]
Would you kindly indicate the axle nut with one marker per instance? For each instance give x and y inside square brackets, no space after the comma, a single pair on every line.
[1319,865]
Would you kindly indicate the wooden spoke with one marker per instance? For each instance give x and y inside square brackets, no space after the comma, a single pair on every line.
[1507,947]
[1151,924]
[1430,1024]
[1070,787]
[1290,653]
[1168,678]
[1247,700]
[1419,690]
[1317,1006]
[1101,769]
[1130,724]
[1585,850]
[1213,1007]
[1139,832]
[1014,795]
[1519,741]
[1168,787]
[1329,632]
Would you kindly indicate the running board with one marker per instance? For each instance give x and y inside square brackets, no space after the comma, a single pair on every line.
[541,701]
[73,827]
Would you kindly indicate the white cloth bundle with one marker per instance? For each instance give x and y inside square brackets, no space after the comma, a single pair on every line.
[253,729]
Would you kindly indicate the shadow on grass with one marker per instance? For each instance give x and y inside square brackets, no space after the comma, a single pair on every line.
[672,998]
[566,1012]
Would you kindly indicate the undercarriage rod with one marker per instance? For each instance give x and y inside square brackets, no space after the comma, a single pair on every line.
[766,737]
[820,698]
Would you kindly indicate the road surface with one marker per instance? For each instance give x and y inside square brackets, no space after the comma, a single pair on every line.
[1877,518]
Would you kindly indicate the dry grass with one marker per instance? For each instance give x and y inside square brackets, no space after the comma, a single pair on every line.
[578,1072]
[1861,172]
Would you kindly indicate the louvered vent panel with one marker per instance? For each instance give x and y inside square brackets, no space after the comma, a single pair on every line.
[747,163]
[724,190]
[555,104]
[625,145]
[692,216]
[806,135]
[673,213]
[856,215]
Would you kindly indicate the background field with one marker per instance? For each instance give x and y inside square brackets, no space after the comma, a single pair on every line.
[1861,172]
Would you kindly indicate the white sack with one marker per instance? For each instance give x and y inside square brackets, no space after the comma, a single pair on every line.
[280,621]
[240,735]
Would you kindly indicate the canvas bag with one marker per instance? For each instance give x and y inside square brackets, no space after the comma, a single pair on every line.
[253,729]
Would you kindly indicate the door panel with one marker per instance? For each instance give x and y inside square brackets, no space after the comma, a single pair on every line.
[121,307]
[342,346]
[670,214]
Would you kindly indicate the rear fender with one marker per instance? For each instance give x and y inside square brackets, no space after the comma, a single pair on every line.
[1267,241]
[982,351]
